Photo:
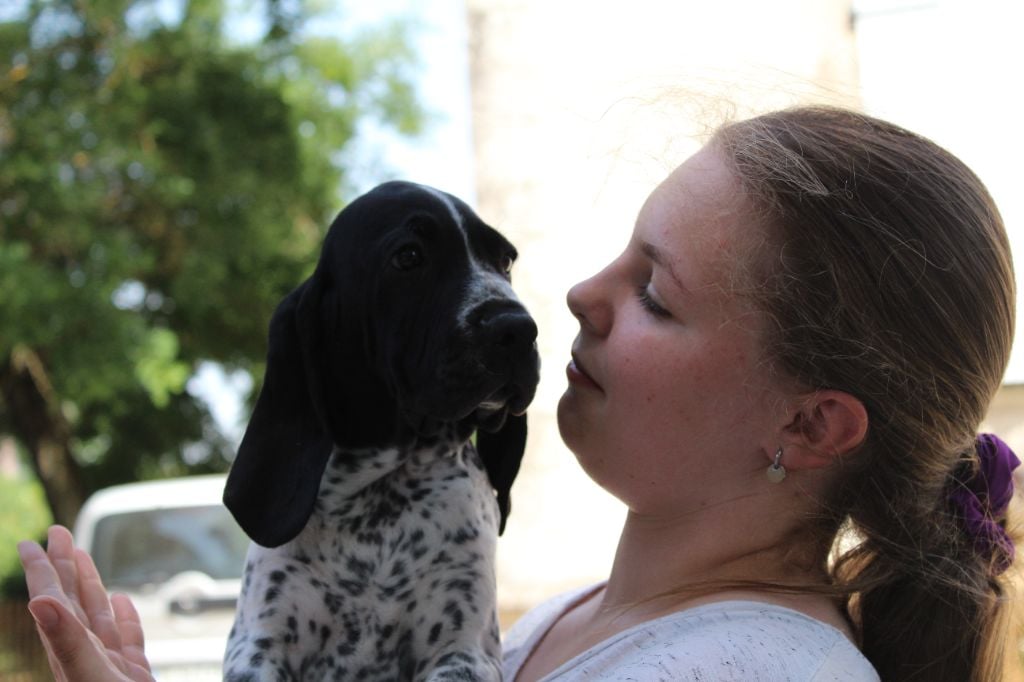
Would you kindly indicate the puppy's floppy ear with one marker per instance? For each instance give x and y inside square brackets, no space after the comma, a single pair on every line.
[501,452]
[275,478]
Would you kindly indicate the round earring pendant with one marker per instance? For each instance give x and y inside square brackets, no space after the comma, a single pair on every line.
[775,473]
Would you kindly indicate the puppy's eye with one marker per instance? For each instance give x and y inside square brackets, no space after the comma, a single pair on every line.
[506,263]
[407,257]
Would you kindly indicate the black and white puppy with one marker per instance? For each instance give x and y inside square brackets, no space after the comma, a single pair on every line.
[373,515]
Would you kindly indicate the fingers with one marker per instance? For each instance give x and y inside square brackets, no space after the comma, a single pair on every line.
[43,583]
[95,602]
[74,655]
[45,619]
[130,627]
[61,550]
[40,575]
[87,638]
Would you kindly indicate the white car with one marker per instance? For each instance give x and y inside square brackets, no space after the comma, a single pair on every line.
[174,548]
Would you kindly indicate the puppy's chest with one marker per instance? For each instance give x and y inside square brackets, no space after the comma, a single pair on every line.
[379,496]
[414,545]
[387,525]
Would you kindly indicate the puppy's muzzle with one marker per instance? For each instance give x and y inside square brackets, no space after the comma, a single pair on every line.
[508,342]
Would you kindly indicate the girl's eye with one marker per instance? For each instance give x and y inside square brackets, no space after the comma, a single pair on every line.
[650,304]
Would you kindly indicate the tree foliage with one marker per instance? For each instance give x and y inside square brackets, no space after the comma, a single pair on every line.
[161,188]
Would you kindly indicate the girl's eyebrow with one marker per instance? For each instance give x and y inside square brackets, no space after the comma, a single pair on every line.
[657,256]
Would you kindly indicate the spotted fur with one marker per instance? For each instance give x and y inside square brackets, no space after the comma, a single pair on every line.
[374,517]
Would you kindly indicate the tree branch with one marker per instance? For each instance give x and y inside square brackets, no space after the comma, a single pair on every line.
[33,409]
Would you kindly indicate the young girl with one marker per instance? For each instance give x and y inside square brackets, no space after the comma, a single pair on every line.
[782,377]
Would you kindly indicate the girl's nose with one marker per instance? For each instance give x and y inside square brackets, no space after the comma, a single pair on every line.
[589,303]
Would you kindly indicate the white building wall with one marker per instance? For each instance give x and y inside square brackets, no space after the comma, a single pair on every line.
[951,70]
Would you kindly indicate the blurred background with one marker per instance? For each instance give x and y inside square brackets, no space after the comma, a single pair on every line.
[168,168]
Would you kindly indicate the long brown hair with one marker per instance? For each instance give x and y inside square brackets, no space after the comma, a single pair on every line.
[893,282]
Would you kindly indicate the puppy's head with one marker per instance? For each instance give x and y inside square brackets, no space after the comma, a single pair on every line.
[408,327]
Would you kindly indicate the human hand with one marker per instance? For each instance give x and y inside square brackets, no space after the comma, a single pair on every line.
[89,637]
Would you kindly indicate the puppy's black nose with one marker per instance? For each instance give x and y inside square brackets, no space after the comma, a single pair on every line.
[507,330]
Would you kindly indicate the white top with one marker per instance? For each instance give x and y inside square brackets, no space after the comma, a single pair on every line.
[746,641]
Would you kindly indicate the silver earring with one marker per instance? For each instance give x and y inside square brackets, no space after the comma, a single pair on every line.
[776,472]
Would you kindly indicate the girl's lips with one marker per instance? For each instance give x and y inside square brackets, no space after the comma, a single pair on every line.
[578,376]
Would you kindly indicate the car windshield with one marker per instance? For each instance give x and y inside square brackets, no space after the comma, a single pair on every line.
[134,549]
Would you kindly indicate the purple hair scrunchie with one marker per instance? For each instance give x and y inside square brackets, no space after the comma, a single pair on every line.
[982,498]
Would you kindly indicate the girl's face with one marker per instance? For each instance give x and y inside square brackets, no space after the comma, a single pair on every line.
[670,405]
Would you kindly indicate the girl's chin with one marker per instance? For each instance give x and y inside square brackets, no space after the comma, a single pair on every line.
[571,420]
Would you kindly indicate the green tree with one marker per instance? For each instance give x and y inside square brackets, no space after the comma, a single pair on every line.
[161,188]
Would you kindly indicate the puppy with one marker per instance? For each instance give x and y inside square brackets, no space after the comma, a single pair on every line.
[374,515]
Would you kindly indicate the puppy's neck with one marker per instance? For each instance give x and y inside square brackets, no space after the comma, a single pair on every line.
[351,470]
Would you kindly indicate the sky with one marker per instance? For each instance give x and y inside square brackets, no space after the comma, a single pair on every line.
[443,155]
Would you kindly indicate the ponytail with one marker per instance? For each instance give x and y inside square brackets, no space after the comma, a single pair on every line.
[893,282]
[936,608]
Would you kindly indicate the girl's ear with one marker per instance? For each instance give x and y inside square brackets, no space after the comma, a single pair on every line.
[825,425]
